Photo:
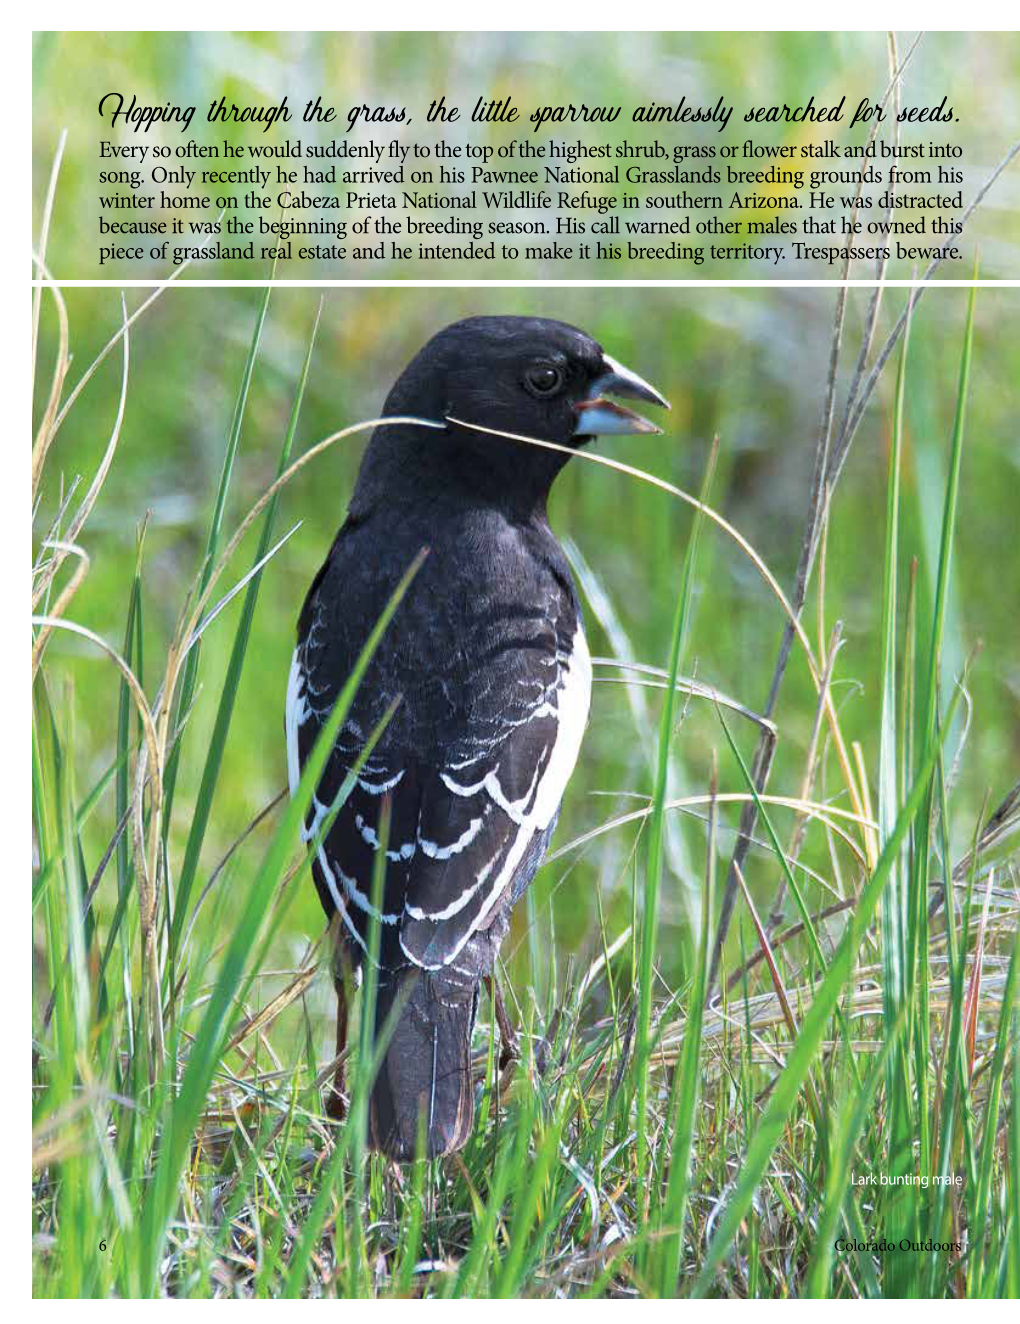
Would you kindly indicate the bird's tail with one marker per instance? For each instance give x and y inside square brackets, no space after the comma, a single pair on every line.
[424,1082]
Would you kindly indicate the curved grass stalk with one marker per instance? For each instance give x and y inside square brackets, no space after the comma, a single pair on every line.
[656,678]
[793,618]
[633,472]
[44,235]
[137,693]
[825,814]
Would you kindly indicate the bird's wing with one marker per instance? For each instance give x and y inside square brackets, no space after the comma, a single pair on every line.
[483,813]
[468,823]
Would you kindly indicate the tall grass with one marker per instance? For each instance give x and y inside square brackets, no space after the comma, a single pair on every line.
[647,1139]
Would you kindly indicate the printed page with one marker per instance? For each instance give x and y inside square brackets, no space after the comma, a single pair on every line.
[524,713]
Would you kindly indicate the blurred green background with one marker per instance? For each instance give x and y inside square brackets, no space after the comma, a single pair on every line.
[978,73]
[748,365]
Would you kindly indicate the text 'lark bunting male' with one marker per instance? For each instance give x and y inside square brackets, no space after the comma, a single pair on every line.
[488,655]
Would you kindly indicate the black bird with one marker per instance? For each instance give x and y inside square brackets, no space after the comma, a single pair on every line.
[488,653]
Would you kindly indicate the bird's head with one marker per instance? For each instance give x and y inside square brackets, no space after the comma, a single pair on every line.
[527,376]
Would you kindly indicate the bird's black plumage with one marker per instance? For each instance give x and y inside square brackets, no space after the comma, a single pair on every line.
[488,656]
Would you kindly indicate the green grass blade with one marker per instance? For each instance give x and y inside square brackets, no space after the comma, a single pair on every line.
[189,678]
[228,694]
[894,900]
[655,833]
[526,1204]
[132,653]
[686,1083]
[949,524]
[895,916]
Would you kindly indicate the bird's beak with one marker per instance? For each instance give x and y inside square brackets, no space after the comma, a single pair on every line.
[599,417]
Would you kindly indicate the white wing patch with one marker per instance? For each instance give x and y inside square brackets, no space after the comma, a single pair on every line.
[574,703]
[296,714]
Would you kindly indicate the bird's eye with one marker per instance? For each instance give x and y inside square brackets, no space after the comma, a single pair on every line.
[543,380]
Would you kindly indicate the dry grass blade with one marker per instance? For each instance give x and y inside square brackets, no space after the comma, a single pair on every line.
[839,455]
[882,262]
[601,961]
[794,931]
[265,1017]
[146,886]
[1001,825]
[632,471]
[186,629]
[828,469]
[48,427]
[778,985]
[241,584]
[62,603]
[89,499]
